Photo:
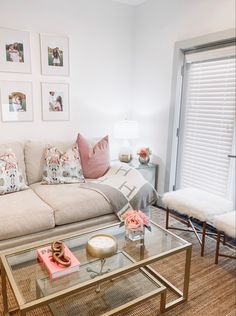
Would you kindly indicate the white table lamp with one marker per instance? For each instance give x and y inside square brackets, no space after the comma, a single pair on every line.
[126,130]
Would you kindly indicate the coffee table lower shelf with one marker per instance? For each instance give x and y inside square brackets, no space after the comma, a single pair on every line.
[115,295]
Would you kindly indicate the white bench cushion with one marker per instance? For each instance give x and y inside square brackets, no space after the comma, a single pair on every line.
[197,203]
[226,223]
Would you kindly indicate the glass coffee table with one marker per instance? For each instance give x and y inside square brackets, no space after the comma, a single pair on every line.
[130,278]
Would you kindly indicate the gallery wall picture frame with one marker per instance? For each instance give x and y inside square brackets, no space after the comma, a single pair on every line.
[16,101]
[15,51]
[54,55]
[55,101]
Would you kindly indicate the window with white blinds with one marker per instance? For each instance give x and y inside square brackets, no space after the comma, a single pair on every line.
[207,120]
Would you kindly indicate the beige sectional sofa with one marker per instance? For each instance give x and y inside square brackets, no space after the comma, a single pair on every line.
[43,211]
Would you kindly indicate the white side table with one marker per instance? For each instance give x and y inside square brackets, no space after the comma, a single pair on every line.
[149,171]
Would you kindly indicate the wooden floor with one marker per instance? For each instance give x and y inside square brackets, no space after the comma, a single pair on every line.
[212,287]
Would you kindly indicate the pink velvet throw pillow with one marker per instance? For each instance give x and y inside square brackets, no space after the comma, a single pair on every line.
[95,160]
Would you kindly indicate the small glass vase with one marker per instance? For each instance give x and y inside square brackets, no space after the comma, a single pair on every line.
[144,160]
[135,234]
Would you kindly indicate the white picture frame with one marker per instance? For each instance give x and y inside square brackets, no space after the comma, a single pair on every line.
[14,51]
[54,55]
[55,101]
[16,101]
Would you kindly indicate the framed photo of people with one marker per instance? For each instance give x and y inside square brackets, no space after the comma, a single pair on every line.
[54,55]
[55,101]
[15,51]
[16,101]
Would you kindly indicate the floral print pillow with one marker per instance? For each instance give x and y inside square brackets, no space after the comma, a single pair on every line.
[62,167]
[11,179]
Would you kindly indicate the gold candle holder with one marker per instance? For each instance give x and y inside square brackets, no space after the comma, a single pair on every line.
[101,246]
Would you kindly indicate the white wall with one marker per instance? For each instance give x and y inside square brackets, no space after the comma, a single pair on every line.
[121,62]
[101,37]
[159,24]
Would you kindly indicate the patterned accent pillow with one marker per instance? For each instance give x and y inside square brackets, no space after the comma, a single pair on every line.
[11,178]
[62,167]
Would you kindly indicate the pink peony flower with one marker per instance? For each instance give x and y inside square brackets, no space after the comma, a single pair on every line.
[133,221]
[128,213]
[144,218]
[144,152]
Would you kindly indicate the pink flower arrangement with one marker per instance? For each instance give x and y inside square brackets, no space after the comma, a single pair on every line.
[135,219]
[144,152]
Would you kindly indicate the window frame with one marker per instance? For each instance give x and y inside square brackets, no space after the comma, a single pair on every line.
[177,86]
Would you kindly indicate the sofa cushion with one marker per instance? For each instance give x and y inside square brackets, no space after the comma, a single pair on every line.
[72,203]
[11,179]
[34,158]
[95,160]
[18,149]
[62,167]
[23,213]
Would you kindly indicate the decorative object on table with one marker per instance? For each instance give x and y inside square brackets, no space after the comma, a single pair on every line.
[58,259]
[144,155]
[135,222]
[62,167]
[11,179]
[58,254]
[16,101]
[101,246]
[54,55]
[126,130]
[55,101]
[14,51]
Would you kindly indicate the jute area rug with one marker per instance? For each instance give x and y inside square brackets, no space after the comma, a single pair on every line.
[212,287]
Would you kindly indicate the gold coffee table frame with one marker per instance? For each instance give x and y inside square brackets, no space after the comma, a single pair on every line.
[144,265]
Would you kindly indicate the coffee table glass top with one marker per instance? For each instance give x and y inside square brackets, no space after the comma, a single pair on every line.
[28,274]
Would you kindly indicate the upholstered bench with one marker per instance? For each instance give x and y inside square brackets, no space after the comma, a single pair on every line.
[226,225]
[197,204]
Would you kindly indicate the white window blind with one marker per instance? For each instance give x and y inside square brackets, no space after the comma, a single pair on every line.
[207,121]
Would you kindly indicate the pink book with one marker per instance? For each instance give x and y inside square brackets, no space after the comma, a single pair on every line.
[55,269]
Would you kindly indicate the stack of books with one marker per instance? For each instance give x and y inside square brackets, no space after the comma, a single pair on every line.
[56,270]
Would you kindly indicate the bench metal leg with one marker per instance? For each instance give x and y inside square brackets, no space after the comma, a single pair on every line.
[224,239]
[194,230]
[167,218]
[203,238]
[191,229]
[197,232]
[217,247]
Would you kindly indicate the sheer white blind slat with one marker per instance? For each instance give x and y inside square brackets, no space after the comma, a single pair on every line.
[208,120]
[207,151]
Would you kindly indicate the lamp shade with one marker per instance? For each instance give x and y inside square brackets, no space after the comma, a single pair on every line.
[126,129]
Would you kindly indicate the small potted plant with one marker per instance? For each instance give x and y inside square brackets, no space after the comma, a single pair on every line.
[144,155]
[135,222]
